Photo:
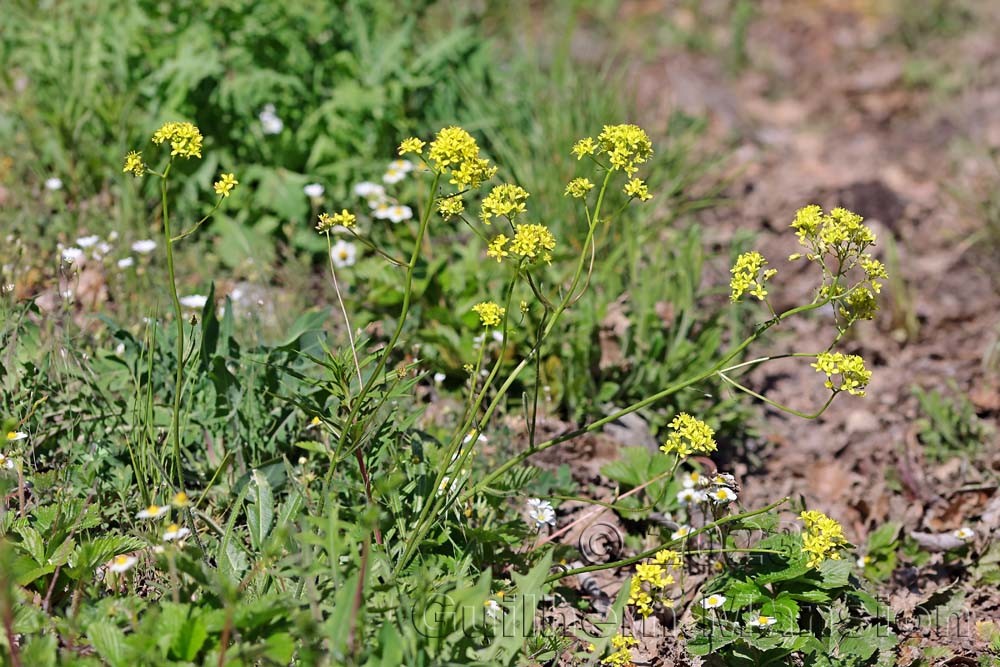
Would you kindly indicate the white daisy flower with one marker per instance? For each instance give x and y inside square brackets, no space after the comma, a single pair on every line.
[399,213]
[343,254]
[480,438]
[381,211]
[53,183]
[14,436]
[314,190]
[404,166]
[369,190]
[102,249]
[690,497]
[722,495]
[492,609]
[71,255]
[122,563]
[144,247]
[713,602]
[541,512]
[762,621]
[194,301]
[439,378]
[153,512]
[863,561]
[87,241]
[269,120]
[692,479]
[175,532]
[393,176]
[6,462]
[965,534]
[125,262]
[724,479]
[682,531]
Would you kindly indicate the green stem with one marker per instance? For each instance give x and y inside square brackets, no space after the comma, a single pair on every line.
[179,325]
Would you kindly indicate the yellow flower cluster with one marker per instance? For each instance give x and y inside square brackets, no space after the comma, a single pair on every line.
[185,139]
[841,233]
[689,435]
[134,164]
[749,276]
[822,538]
[345,219]
[411,145]
[650,581]
[496,248]
[578,187]
[504,200]
[851,368]
[490,313]
[626,146]
[449,207]
[531,241]
[637,188]
[622,655]
[585,146]
[224,186]
[455,152]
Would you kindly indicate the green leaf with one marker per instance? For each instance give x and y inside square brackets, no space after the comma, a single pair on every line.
[189,640]
[884,538]
[109,642]
[260,509]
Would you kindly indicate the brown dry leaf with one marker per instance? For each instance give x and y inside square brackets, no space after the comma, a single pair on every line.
[614,326]
[937,541]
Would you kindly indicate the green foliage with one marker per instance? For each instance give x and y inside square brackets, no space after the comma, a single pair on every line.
[948,426]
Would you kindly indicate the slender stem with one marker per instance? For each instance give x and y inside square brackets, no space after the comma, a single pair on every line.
[179,325]
[783,408]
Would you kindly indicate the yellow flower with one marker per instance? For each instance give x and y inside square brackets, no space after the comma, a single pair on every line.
[454,150]
[585,146]
[637,188]
[411,145]
[134,164]
[504,200]
[822,538]
[689,435]
[225,184]
[851,368]
[344,219]
[185,139]
[622,656]
[530,241]
[180,499]
[749,276]
[489,313]
[496,248]
[578,187]
[626,146]
[449,207]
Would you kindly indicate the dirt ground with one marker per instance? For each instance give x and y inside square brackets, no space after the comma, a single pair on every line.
[832,108]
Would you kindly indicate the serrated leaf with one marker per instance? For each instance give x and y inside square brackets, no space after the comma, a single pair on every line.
[109,642]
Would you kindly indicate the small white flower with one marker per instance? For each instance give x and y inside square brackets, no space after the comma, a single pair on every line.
[53,183]
[497,336]
[269,120]
[690,497]
[194,301]
[153,512]
[6,289]
[399,213]
[381,210]
[125,262]
[67,294]
[492,609]
[175,532]
[122,563]
[682,531]
[314,190]
[102,249]
[722,495]
[439,378]
[71,255]
[541,512]
[713,601]
[762,621]
[144,247]
[692,479]
[14,436]
[343,254]
[6,462]
[965,534]
[369,190]
[393,176]
[87,241]
[863,561]
[480,438]
[404,166]
[724,479]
